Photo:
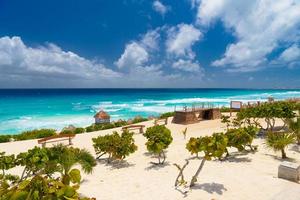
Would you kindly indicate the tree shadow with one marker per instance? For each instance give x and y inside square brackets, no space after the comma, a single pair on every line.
[281,159]
[115,164]
[157,166]
[211,187]
[295,148]
[182,191]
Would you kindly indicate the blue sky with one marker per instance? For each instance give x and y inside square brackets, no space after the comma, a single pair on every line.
[145,43]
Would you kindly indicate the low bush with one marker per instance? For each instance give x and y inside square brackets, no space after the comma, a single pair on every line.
[139,119]
[79,130]
[166,115]
[5,138]
[159,138]
[35,134]
[48,173]
[116,146]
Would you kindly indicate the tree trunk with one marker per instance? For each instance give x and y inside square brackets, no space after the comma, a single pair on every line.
[180,172]
[164,157]
[194,179]
[283,154]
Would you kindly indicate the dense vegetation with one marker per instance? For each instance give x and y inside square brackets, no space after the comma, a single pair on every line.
[48,173]
[27,135]
[116,146]
[158,139]
[166,115]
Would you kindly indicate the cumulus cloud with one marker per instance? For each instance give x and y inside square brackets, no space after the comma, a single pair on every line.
[290,54]
[260,27]
[181,39]
[160,7]
[136,53]
[133,56]
[19,60]
[187,65]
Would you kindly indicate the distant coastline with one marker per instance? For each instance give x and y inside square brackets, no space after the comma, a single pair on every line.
[27,109]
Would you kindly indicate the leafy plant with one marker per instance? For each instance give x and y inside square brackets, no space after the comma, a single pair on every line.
[159,138]
[5,138]
[213,147]
[184,132]
[166,115]
[79,130]
[226,120]
[34,134]
[116,146]
[39,179]
[278,141]
[241,138]
[294,126]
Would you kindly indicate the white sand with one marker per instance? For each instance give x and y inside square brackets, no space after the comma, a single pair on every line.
[251,176]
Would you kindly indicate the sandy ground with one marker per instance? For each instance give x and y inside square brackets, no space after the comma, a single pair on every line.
[250,176]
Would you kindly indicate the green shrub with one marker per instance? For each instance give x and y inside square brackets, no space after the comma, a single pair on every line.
[225,109]
[278,141]
[5,138]
[159,138]
[241,138]
[166,115]
[90,128]
[40,166]
[66,132]
[213,147]
[139,119]
[79,130]
[116,146]
[34,134]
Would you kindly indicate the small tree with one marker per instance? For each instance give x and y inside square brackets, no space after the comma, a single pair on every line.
[184,132]
[241,138]
[213,147]
[226,120]
[40,178]
[117,147]
[193,146]
[278,141]
[159,138]
[294,126]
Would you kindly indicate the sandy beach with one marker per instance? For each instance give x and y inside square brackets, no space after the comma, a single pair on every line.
[242,176]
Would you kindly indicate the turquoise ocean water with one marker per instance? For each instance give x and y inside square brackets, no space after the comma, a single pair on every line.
[55,108]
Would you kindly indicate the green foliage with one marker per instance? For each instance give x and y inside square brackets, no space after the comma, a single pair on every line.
[6,162]
[278,141]
[66,132]
[226,120]
[159,138]
[139,119]
[184,132]
[5,138]
[212,146]
[269,111]
[193,146]
[79,130]
[40,178]
[241,137]
[294,126]
[116,146]
[166,115]
[225,109]
[34,134]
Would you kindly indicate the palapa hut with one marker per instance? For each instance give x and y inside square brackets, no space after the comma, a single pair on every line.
[102,117]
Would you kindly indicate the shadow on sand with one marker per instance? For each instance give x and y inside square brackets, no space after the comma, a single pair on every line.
[116,164]
[153,166]
[211,188]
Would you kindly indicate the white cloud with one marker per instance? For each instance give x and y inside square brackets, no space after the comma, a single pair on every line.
[136,53]
[17,59]
[260,27]
[291,54]
[187,65]
[133,56]
[160,7]
[181,39]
